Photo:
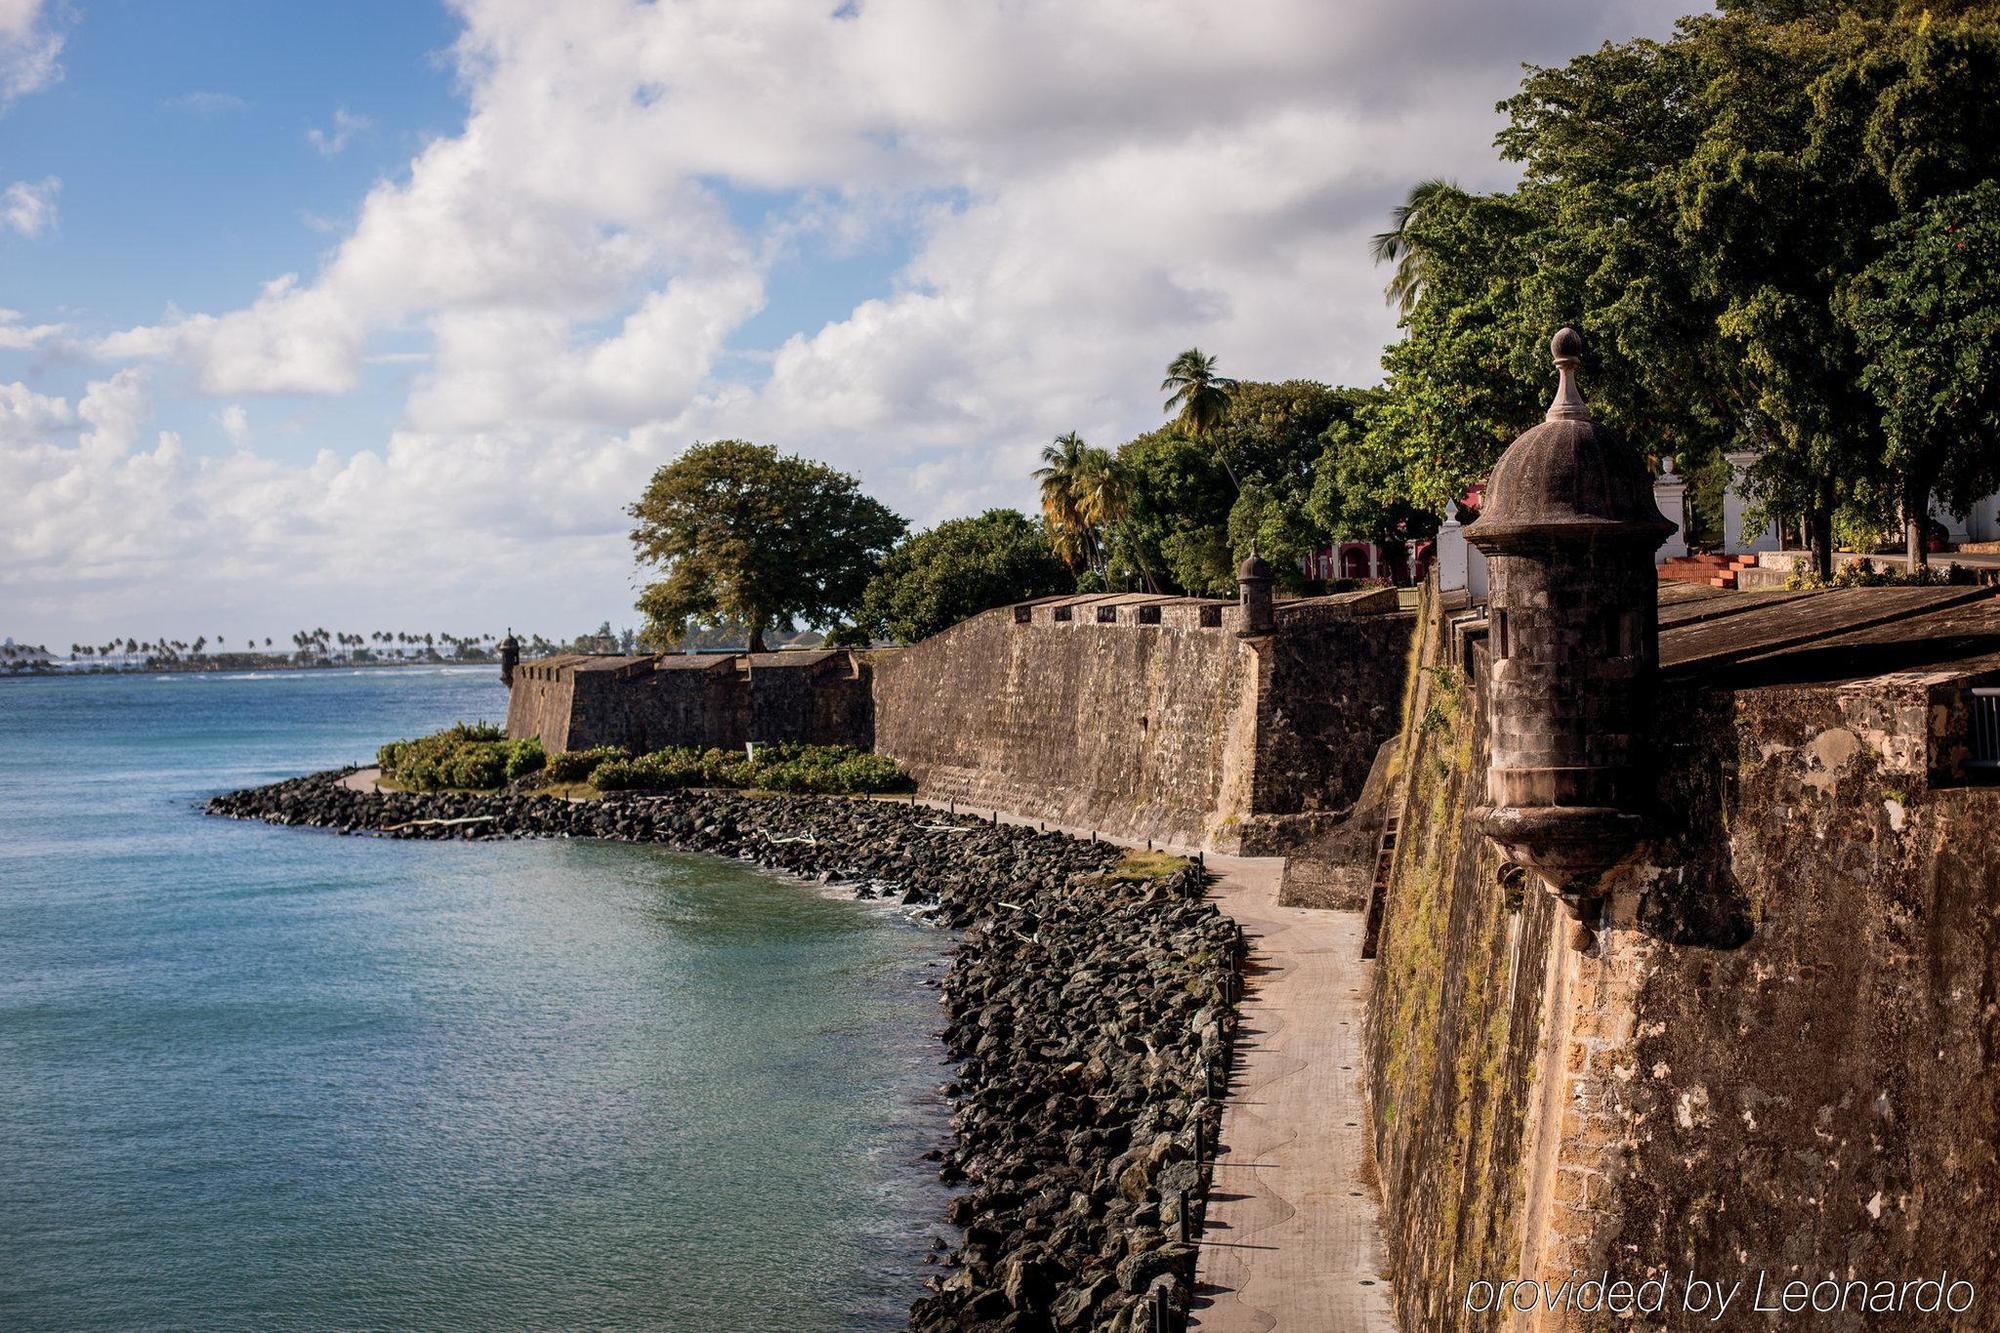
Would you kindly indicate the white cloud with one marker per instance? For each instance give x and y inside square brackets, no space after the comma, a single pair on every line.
[29,207]
[235,423]
[16,336]
[346,124]
[1081,188]
[30,48]
[25,415]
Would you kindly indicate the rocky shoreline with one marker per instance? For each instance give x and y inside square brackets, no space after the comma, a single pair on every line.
[1089,1016]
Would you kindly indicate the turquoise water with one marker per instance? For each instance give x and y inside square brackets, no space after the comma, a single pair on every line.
[254,1077]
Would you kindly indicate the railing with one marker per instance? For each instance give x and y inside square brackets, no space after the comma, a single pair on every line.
[1985,729]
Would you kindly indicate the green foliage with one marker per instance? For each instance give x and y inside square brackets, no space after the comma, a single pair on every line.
[826,769]
[474,756]
[1865,573]
[1198,397]
[1750,223]
[1181,499]
[957,569]
[745,533]
[1461,384]
[1927,316]
[1190,524]
[1070,473]
[578,765]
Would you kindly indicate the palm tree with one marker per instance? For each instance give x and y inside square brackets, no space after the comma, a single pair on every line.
[1200,398]
[1065,467]
[1104,498]
[1399,245]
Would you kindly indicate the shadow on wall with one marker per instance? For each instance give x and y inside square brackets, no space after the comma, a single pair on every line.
[1695,900]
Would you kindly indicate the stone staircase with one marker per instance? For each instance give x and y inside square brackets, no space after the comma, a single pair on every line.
[1712,571]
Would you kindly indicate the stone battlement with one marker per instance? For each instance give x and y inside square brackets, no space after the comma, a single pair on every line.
[721,700]
[1131,713]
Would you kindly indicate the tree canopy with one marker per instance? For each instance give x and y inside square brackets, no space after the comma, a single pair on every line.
[1716,212]
[934,579]
[742,532]
[1189,522]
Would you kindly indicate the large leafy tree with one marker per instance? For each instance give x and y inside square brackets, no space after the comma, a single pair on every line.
[935,579]
[1189,517]
[1461,383]
[1927,316]
[1699,207]
[741,532]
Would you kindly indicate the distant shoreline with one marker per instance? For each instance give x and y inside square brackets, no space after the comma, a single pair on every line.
[223,668]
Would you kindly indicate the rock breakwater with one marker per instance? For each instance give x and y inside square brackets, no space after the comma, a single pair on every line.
[1089,1018]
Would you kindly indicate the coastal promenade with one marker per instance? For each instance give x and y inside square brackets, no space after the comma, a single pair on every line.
[1292,1239]
[1292,1242]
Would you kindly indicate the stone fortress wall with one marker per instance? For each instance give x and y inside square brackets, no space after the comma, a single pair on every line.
[705,700]
[1777,1056]
[1151,716]
[1137,715]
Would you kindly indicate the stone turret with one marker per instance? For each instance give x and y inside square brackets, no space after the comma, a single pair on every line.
[1569,528]
[1253,587]
[510,657]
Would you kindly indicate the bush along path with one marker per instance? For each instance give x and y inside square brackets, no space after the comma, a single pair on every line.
[1089,1016]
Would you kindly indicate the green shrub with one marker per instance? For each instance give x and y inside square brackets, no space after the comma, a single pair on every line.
[831,769]
[577,765]
[477,756]
[661,769]
[1865,573]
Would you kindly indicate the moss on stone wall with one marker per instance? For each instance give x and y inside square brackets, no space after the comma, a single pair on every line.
[1782,1057]
[1455,1017]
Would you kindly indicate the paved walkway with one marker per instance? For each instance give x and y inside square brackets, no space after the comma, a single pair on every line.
[1292,1242]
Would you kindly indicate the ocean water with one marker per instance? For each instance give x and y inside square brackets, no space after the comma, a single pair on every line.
[256,1077]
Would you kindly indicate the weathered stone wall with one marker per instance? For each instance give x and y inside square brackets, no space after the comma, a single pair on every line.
[1169,729]
[722,701]
[1330,701]
[1778,1058]
[1807,1083]
[1456,1017]
[1116,727]
[539,705]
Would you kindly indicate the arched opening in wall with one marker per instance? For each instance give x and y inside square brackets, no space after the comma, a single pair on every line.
[1354,561]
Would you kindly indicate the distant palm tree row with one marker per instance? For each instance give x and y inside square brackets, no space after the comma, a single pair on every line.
[308,646]
[1086,493]
[312,647]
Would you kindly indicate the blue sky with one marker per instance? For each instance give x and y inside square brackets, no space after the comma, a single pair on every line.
[329,312]
[180,134]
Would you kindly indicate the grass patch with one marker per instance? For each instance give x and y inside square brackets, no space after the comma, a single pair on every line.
[1139,867]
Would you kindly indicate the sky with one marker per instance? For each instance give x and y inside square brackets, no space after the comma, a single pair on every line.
[375,314]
